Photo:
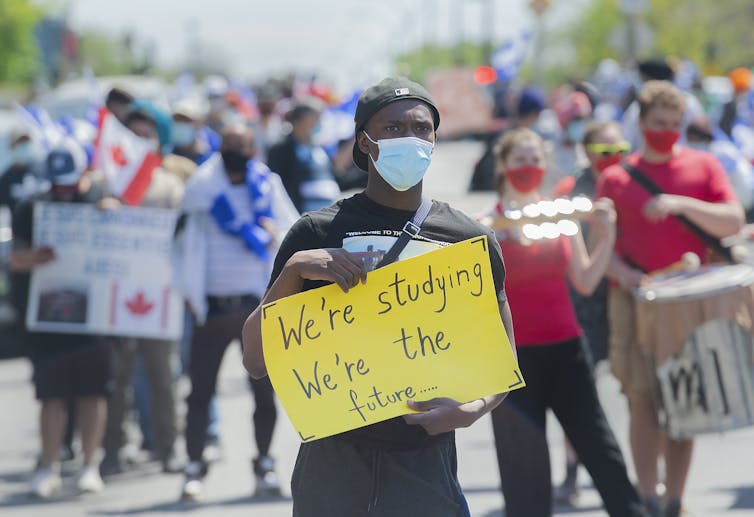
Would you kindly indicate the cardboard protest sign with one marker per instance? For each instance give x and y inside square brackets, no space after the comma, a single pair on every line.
[421,328]
[111,273]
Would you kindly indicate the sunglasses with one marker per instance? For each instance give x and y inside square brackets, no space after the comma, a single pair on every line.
[608,149]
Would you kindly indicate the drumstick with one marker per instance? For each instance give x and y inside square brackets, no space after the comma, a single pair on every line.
[740,253]
[689,262]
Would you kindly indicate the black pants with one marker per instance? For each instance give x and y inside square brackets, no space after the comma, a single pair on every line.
[334,477]
[558,377]
[208,347]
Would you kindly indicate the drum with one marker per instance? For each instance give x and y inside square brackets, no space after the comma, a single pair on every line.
[697,329]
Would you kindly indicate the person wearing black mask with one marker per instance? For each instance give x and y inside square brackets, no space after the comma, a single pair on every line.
[233,212]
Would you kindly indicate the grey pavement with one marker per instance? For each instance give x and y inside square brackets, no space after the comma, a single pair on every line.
[721,481]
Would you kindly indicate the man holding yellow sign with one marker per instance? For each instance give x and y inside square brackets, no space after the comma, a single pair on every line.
[376,377]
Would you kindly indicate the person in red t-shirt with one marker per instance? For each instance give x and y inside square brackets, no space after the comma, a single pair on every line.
[650,239]
[548,340]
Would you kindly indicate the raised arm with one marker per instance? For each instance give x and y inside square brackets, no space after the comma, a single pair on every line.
[585,270]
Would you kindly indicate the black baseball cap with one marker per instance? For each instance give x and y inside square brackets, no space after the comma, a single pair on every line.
[376,97]
[657,68]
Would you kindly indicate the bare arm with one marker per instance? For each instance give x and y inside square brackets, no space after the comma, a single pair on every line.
[585,270]
[332,265]
[625,275]
[23,259]
[717,219]
[443,414]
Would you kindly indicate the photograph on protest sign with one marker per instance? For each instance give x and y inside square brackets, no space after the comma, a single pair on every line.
[370,247]
[65,303]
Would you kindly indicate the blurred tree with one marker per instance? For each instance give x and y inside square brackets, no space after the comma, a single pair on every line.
[717,36]
[416,64]
[17,46]
[105,54]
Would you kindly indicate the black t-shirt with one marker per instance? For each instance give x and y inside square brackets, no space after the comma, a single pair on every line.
[43,343]
[300,166]
[360,224]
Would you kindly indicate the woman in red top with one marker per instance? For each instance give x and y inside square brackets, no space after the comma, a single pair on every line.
[548,338]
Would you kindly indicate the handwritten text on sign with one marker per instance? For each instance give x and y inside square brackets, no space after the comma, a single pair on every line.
[422,328]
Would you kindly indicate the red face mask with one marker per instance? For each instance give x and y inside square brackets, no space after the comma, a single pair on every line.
[607,161]
[661,141]
[526,178]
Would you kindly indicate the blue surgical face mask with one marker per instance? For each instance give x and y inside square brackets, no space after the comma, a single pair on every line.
[402,162]
[575,131]
[183,133]
[316,132]
[23,154]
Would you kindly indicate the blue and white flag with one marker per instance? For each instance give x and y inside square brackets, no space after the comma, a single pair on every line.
[509,57]
[336,123]
[687,75]
[232,220]
[42,130]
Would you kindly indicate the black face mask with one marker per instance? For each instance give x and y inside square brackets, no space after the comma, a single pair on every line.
[235,161]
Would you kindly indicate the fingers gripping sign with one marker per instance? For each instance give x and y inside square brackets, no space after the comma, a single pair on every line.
[439,415]
[330,265]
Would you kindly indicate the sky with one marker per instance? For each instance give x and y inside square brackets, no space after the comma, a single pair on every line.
[340,39]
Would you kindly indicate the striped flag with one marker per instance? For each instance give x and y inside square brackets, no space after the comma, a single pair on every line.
[507,59]
[42,130]
[127,160]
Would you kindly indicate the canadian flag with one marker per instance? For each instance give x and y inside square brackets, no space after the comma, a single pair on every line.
[143,307]
[127,160]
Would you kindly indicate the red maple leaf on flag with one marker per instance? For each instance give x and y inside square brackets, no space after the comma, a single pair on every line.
[118,157]
[139,305]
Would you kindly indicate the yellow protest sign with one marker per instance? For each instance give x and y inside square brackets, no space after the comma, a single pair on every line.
[424,327]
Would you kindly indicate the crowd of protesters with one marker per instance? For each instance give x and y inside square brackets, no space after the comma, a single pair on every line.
[121,393]
[238,165]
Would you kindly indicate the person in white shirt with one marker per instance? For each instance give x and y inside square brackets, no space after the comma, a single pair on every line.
[233,214]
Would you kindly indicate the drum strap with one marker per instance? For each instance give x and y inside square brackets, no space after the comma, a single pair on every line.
[639,177]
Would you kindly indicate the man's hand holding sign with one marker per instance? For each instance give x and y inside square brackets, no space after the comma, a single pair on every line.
[421,338]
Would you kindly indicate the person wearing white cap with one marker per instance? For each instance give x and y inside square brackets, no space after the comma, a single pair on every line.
[191,138]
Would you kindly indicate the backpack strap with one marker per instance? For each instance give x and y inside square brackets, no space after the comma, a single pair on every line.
[410,229]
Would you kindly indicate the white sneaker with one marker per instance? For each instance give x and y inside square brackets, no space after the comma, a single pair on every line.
[46,481]
[90,480]
[192,490]
[267,482]
[193,483]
